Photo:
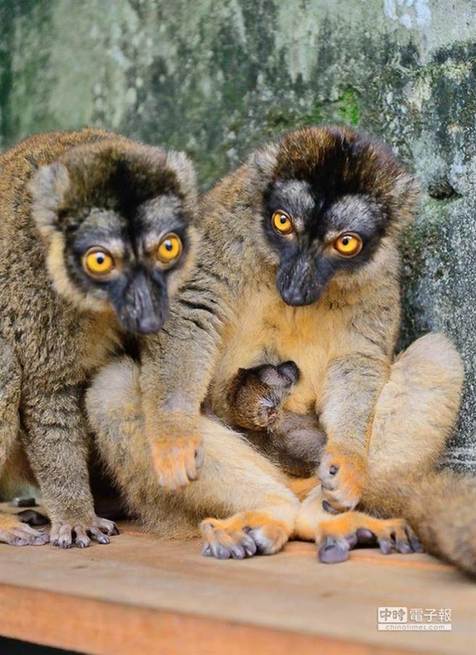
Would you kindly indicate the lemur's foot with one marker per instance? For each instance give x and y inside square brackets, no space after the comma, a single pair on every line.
[16,533]
[65,534]
[343,475]
[243,535]
[177,461]
[339,534]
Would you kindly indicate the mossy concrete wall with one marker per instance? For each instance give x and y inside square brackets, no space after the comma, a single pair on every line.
[217,77]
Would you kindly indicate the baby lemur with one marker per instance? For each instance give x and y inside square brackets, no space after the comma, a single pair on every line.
[256,399]
[95,235]
[298,262]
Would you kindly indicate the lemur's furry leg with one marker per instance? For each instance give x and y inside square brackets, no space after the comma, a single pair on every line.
[410,432]
[414,416]
[12,530]
[254,508]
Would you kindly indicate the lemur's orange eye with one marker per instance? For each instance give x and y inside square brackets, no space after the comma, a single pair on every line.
[98,262]
[282,222]
[348,245]
[169,249]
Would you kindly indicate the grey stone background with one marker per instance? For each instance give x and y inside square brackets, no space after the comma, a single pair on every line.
[217,77]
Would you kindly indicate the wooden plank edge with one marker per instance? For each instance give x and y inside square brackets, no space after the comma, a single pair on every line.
[101,628]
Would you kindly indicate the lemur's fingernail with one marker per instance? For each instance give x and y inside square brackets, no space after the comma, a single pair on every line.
[333,469]
[327,507]
[334,551]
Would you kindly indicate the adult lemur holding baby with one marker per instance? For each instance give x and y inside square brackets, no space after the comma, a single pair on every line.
[94,236]
[298,262]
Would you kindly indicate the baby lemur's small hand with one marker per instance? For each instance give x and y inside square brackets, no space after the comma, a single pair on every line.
[256,399]
[257,394]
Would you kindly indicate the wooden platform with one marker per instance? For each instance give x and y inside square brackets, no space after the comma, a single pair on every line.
[140,595]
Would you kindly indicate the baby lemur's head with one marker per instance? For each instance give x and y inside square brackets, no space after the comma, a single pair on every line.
[331,202]
[115,218]
[256,395]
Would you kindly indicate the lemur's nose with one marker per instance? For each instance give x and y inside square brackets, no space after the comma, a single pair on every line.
[148,325]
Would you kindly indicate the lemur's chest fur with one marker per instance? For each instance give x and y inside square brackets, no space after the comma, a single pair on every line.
[265,329]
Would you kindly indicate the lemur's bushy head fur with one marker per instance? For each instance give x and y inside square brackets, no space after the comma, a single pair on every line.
[119,199]
[339,189]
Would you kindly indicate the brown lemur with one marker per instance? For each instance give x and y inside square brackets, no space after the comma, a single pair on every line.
[299,262]
[95,236]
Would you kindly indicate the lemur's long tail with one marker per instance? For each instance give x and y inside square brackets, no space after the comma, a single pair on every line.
[441,508]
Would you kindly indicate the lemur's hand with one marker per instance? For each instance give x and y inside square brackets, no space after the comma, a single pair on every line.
[343,474]
[177,460]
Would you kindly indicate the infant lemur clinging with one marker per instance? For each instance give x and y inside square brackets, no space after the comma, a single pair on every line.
[257,398]
[95,235]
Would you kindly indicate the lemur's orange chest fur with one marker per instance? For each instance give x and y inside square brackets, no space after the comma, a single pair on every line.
[265,329]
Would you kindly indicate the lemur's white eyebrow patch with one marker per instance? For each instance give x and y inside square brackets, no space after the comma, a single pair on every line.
[115,246]
[354,212]
[298,197]
[157,218]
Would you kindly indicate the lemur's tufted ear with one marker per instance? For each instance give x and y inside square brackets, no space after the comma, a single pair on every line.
[405,195]
[48,189]
[261,165]
[183,168]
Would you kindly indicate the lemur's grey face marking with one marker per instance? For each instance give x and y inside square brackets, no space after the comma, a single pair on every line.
[126,258]
[122,215]
[321,236]
[328,197]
